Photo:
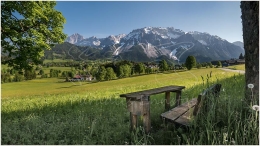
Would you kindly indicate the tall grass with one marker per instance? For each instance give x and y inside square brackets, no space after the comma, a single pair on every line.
[237,67]
[97,117]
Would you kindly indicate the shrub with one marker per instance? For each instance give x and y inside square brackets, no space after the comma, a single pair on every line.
[199,65]
[54,73]
[6,77]
[30,74]
[18,77]
[44,76]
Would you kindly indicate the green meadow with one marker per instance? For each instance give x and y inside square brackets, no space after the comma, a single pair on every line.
[237,67]
[51,111]
[57,60]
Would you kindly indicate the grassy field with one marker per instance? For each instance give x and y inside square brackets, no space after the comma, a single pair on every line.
[57,60]
[50,111]
[58,86]
[237,67]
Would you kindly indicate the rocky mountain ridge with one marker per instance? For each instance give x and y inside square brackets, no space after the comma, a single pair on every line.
[153,42]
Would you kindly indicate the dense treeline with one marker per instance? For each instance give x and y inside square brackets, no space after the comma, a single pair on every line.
[101,70]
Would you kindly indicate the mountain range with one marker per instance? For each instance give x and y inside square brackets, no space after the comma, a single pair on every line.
[153,43]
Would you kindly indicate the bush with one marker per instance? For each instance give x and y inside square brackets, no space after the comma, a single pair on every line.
[6,77]
[199,65]
[54,73]
[18,77]
[13,71]
[44,76]
[41,72]
[30,74]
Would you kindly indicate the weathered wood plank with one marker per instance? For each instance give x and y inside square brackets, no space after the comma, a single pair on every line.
[153,91]
[186,118]
[146,117]
[184,114]
[167,100]
[178,98]
[133,121]
[176,112]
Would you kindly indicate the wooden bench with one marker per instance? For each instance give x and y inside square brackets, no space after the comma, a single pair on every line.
[138,103]
[183,114]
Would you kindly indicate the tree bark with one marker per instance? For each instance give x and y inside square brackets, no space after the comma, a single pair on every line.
[250,23]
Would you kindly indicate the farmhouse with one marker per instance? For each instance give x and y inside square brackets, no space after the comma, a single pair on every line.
[87,77]
[234,62]
[76,78]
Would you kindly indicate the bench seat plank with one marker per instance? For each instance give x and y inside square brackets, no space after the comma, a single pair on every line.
[184,114]
[178,111]
[185,119]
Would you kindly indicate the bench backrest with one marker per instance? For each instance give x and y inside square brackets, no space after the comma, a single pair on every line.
[212,91]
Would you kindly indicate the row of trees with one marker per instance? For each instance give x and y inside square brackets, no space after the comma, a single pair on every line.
[107,71]
[6,75]
[125,68]
[191,63]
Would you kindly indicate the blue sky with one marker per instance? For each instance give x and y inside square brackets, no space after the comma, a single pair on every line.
[101,19]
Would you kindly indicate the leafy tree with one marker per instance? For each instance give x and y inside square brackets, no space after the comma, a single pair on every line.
[101,74]
[71,74]
[148,70]
[139,68]
[124,71]
[219,64]
[110,74]
[210,64]
[27,29]
[163,66]
[241,56]
[190,62]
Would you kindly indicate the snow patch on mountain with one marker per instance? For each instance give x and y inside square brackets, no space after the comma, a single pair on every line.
[203,42]
[132,35]
[174,36]
[173,54]
[96,43]
[150,50]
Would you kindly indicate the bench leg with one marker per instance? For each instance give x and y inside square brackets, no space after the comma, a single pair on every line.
[167,100]
[146,116]
[178,98]
[133,122]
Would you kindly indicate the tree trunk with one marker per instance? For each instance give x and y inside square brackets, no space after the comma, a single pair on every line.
[250,22]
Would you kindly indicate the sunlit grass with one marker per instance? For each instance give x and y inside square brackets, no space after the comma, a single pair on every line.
[49,111]
[237,67]
[58,86]
[57,60]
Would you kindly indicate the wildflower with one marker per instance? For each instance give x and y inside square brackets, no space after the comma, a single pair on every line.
[223,90]
[255,107]
[250,86]
[233,141]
